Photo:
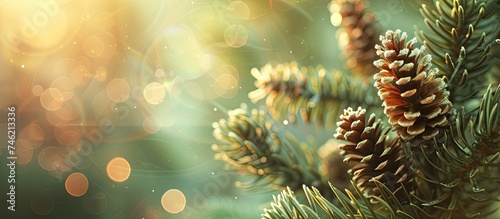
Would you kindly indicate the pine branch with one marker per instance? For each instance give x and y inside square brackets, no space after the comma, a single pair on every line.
[251,145]
[353,204]
[314,94]
[460,42]
[414,99]
[463,180]
[358,35]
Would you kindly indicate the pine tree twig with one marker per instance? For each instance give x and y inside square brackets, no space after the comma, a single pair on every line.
[353,204]
[313,93]
[250,143]
[463,179]
[462,33]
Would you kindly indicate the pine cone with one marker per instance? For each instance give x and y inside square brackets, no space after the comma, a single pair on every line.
[415,101]
[360,34]
[313,95]
[370,157]
[250,145]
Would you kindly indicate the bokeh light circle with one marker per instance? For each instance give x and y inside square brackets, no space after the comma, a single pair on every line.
[51,99]
[50,158]
[67,135]
[24,151]
[118,169]
[238,10]
[159,73]
[226,86]
[34,134]
[173,201]
[236,36]
[118,90]
[65,86]
[80,75]
[37,90]
[154,93]
[76,184]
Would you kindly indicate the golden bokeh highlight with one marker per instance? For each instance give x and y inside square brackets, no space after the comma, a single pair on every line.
[76,184]
[81,75]
[238,10]
[34,134]
[67,135]
[24,151]
[118,169]
[336,17]
[159,73]
[37,90]
[64,86]
[173,201]
[236,36]
[50,158]
[118,90]
[154,93]
[226,86]
[95,204]
[343,38]
[51,99]
[67,111]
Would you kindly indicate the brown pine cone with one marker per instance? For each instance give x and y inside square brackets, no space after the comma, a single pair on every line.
[358,35]
[415,101]
[370,157]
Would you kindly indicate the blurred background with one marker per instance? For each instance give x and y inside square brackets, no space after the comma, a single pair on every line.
[115,99]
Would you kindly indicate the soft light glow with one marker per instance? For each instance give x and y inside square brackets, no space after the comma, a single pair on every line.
[154,93]
[51,99]
[118,90]
[24,151]
[34,134]
[76,184]
[173,201]
[236,36]
[118,169]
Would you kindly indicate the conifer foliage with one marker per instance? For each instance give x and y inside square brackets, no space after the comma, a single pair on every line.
[433,152]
